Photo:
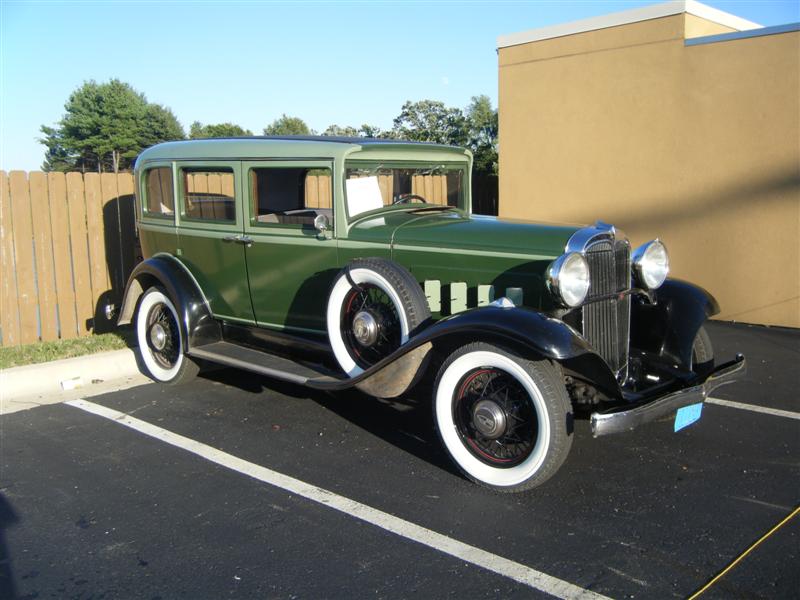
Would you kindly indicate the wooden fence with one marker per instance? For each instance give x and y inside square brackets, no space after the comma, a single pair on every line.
[67,245]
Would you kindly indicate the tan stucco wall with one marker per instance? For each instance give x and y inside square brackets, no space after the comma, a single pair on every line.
[698,145]
[698,27]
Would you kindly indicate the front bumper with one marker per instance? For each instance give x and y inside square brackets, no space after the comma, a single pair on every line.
[617,421]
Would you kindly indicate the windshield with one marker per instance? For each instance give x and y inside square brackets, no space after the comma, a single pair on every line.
[373,185]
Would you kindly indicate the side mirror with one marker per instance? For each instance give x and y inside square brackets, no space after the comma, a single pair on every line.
[321,223]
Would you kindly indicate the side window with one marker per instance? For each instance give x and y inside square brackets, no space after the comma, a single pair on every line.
[209,194]
[159,197]
[290,195]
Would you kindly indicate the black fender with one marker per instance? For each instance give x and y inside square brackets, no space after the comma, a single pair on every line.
[525,331]
[667,320]
[198,325]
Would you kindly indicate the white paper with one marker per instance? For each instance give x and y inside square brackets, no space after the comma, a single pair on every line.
[363,194]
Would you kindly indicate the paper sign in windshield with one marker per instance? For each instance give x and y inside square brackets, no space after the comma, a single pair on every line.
[363,194]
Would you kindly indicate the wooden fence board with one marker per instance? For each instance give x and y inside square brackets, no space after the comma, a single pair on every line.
[75,200]
[62,257]
[312,191]
[108,184]
[215,183]
[23,253]
[9,307]
[127,228]
[43,250]
[98,266]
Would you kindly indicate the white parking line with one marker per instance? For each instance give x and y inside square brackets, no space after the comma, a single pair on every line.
[481,558]
[755,408]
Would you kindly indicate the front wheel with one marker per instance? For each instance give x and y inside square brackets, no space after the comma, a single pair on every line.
[160,340]
[505,421]
[702,353]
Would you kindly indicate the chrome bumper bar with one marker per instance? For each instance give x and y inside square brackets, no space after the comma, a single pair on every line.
[606,423]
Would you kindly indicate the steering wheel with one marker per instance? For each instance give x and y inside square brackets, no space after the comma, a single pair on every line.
[405,198]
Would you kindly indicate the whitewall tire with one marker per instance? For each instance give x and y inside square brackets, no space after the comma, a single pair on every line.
[506,422]
[160,339]
[373,307]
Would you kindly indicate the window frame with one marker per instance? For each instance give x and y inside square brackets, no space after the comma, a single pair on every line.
[251,218]
[401,164]
[144,191]
[233,166]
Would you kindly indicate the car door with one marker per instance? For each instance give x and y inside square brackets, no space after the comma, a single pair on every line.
[291,264]
[211,242]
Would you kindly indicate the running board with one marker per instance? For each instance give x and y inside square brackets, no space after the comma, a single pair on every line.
[277,367]
[387,379]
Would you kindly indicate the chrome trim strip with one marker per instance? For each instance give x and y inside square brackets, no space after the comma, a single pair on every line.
[618,422]
[582,238]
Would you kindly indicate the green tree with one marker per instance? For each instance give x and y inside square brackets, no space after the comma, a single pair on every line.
[286,125]
[105,126]
[432,121]
[482,126]
[365,131]
[346,131]
[219,130]
[370,131]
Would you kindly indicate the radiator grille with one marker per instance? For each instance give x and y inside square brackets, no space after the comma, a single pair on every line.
[606,315]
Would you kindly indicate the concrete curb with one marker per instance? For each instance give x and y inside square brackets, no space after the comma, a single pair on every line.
[67,374]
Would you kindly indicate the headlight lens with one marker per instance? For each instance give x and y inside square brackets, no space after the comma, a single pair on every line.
[651,264]
[568,279]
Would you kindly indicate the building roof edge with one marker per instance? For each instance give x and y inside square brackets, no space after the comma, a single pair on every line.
[634,15]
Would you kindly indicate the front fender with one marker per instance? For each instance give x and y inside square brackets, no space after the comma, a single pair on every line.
[531,334]
[197,323]
[667,322]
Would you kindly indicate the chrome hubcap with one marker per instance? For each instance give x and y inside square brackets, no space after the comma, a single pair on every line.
[365,328]
[158,336]
[489,419]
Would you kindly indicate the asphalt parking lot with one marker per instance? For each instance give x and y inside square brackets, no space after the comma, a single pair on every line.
[92,508]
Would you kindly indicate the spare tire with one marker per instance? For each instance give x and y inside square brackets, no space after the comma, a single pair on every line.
[374,305]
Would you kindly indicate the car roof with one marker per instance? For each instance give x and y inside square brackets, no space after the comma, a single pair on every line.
[286,145]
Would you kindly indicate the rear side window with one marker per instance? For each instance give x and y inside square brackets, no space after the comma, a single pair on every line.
[209,195]
[290,195]
[159,199]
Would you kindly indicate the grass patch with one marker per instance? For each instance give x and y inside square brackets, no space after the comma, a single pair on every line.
[40,352]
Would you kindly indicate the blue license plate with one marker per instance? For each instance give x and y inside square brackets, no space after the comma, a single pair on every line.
[687,415]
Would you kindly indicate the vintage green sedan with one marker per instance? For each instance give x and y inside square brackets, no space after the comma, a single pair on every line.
[348,262]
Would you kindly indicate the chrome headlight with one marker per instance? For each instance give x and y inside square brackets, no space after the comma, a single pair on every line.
[568,279]
[651,264]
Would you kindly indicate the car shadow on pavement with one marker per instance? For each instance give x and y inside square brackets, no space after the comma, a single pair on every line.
[7,519]
[405,422]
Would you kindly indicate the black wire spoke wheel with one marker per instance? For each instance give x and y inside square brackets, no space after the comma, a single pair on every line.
[163,337]
[494,417]
[370,325]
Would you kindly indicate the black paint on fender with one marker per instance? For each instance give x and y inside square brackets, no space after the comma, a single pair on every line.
[668,321]
[529,333]
[198,325]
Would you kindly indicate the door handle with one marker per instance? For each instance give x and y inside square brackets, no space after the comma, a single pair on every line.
[239,239]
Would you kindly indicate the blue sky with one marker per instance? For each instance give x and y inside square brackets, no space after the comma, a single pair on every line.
[247,62]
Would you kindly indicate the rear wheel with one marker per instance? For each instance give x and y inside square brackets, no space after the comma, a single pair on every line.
[160,339]
[505,421]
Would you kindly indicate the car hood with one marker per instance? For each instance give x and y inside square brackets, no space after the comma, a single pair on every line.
[455,229]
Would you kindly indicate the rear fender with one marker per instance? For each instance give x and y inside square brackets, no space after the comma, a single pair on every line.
[668,320]
[198,326]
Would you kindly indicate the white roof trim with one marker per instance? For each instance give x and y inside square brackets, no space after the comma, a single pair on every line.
[644,13]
